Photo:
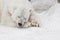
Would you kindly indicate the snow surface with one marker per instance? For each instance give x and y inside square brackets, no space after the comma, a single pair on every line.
[50,29]
[33,33]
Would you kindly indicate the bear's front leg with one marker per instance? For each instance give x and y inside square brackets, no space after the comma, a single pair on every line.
[25,16]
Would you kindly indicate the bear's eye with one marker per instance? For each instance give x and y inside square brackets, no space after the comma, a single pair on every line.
[18,16]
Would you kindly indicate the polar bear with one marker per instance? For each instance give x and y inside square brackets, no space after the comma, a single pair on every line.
[25,13]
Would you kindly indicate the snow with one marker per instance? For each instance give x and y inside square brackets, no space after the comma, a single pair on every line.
[50,29]
[33,33]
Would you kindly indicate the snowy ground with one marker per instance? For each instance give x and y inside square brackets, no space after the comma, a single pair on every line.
[49,31]
[7,33]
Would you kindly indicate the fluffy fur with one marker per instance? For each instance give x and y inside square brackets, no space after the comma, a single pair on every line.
[23,11]
[13,11]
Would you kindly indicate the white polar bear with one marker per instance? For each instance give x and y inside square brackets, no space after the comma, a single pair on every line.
[24,13]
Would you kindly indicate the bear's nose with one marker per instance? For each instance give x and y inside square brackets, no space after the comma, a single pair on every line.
[29,0]
[20,24]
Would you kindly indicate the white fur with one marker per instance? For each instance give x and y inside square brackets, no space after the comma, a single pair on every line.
[16,8]
[27,13]
[42,4]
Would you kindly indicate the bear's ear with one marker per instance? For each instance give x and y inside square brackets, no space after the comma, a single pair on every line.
[9,14]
